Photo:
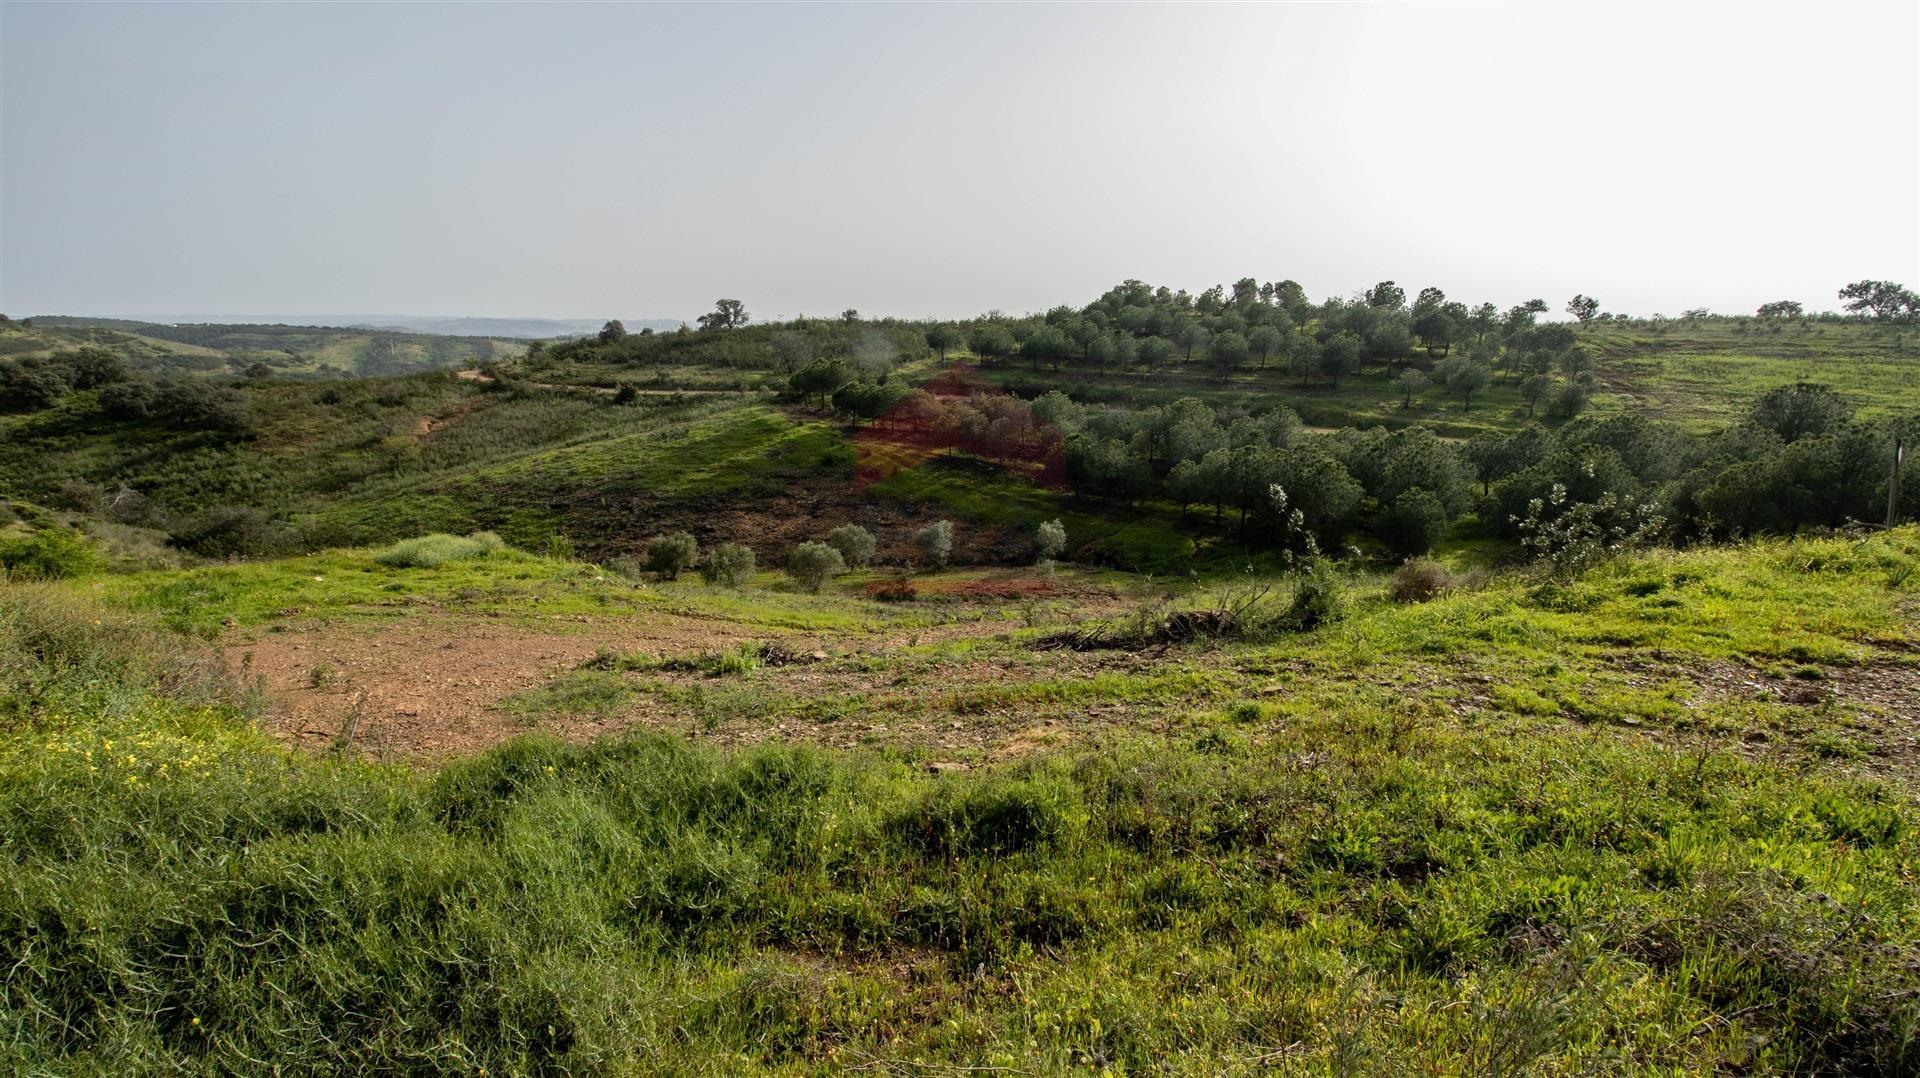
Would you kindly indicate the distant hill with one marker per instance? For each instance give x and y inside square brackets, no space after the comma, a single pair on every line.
[530,328]
[286,350]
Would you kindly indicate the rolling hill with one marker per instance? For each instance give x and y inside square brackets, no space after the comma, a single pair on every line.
[280,350]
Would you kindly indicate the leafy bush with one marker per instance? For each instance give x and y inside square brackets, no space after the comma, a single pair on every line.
[1050,539]
[810,564]
[935,542]
[1419,580]
[669,555]
[1571,536]
[1318,596]
[179,403]
[729,564]
[49,554]
[429,551]
[855,544]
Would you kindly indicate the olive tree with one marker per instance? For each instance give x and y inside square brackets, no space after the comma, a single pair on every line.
[855,544]
[731,564]
[936,542]
[811,564]
[669,555]
[1050,539]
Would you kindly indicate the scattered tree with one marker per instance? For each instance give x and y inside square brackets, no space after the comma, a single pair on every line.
[1583,308]
[855,544]
[991,343]
[610,333]
[1463,377]
[729,564]
[669,555]
[1414,522]
[935,542]
[1050,539]
[1409,384]
[811,564]
[1533,388]
[726,314]
[1884,300]
[944,338]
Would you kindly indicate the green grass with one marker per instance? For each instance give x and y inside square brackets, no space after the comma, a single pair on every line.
[432,551]
[1355,883]
[601,487]
[352,584]
[578,692]
[1702,373]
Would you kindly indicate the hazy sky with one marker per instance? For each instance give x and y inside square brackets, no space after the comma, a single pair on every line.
[164,159]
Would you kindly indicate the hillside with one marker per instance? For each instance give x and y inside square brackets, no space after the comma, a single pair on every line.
[1717,423]
[1135,716]
[273,350]
[1659,816]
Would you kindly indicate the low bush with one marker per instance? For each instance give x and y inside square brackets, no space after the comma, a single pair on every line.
[1049,540]
[670,555]
[1419,580]
[429,551]
[936,543]
[729,564]
[48,554]
[810,564]
[855,544]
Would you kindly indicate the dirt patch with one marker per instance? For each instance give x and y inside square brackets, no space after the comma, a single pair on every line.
[426,691]
[430,687]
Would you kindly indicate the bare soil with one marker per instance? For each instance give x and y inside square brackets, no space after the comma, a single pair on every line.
[430,688]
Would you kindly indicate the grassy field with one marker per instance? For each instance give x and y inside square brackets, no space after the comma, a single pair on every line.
[1700,373]
[1697,372]
[1657,818]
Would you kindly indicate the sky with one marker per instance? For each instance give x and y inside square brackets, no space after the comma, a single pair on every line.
[933,160]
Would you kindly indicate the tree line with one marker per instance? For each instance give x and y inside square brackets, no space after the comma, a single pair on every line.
[1798,459]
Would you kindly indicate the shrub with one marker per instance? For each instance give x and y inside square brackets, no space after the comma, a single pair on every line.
[1419,580]
[668,555]
[429,551]
[51,554]
[1317,598]
[935,542]
[854,543]
[730,564]
[1569,535]
[1050,540]
[182,404]
[1569,401]
[810,564]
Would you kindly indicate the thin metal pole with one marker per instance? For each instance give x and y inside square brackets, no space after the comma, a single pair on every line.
[1893,483]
